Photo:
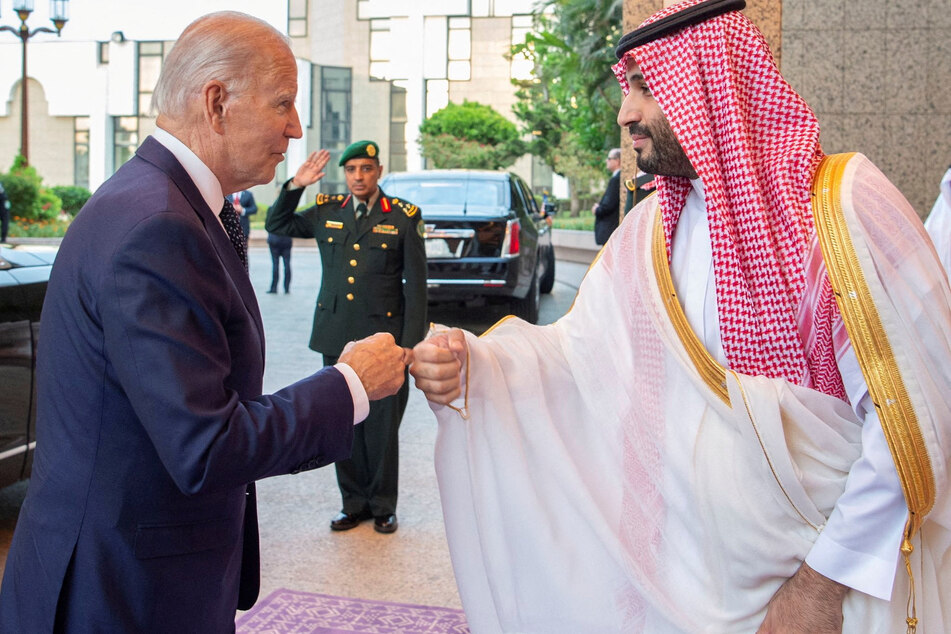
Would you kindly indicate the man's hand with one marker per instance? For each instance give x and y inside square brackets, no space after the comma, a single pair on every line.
[311,170]
[437,365]
[379,363]
[808,603]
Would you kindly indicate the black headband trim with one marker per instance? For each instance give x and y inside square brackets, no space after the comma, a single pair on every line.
[676,21]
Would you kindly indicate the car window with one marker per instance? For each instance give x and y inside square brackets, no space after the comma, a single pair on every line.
[518,201]
[449,195]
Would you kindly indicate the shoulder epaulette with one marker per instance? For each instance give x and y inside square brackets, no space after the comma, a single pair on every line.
[630,184]
[408,208]
[323,199]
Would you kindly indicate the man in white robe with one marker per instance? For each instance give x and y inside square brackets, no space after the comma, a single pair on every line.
[744,422]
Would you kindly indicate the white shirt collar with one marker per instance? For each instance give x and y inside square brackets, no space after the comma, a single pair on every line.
[204,179]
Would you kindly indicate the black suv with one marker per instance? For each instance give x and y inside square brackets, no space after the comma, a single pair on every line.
[485,236]
[24,273]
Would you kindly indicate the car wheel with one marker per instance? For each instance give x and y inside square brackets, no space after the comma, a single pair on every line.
[527,307]
[547,281]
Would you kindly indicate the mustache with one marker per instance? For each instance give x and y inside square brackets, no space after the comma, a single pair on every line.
[639,130]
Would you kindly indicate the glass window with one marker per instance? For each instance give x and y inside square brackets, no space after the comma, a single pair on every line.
[151,57]
[103,52]
[397,162]
[459,49]
[297,18]
[522,64]
[81,152]
[381,42]
[125,139]
[335,118]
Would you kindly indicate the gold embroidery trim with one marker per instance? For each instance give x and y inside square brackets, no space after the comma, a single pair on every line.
[874,352]
[713,374]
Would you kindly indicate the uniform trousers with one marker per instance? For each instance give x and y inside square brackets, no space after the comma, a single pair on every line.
[368,480]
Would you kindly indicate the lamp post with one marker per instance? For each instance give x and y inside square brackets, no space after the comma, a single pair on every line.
[58,15]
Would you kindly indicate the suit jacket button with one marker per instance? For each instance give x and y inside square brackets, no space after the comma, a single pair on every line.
[356,247]
[350,296]
[353,262]
[351,279]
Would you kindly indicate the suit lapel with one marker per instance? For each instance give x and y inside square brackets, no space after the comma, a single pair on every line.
[156,154]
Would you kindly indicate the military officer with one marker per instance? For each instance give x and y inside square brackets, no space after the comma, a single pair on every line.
[374,279]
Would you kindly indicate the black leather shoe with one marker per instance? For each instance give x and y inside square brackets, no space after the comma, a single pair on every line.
[385,523]
[345,521]
[271,291]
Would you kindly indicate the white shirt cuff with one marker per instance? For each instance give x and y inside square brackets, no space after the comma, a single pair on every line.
[361,403]
[859,571]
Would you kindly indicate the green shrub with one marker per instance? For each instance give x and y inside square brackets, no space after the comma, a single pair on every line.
[582,222]
[49,205]
[22,193]
[72,197]
[42,229]
[471,135]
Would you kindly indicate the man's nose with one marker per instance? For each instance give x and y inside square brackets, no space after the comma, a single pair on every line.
[294,129]
[628,112]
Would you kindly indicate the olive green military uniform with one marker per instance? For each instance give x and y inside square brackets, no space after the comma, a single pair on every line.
[373,280]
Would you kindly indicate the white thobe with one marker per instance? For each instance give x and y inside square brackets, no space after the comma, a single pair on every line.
[859,545]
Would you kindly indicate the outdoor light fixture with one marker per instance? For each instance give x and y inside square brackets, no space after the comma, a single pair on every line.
[59,15]
[118,37]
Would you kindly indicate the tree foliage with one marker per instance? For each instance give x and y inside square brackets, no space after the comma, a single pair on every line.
[470,135]
[570,106]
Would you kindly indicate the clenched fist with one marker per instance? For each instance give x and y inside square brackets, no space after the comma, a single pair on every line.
[438,363]
[379,363]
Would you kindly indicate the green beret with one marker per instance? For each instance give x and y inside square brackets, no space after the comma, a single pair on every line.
[361,149]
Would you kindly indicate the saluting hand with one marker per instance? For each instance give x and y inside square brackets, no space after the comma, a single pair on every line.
[437,366]
[379,363]
[311,170]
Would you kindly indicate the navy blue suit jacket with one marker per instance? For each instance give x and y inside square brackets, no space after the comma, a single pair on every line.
[151,422]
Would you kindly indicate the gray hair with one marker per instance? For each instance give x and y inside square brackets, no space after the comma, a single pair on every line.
[615,153]
[224,46]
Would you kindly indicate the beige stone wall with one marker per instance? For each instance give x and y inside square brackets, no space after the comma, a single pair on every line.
[876,72]
[51,138]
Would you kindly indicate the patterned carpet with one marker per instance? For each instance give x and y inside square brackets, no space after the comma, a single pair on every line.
[288,611]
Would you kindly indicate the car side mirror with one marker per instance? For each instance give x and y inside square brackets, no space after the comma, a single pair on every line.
[549,208]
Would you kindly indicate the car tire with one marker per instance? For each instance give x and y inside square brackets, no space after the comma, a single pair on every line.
[547,281]
[527,307]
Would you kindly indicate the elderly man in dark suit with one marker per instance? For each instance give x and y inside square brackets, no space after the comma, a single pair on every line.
[151,423]
[373,278]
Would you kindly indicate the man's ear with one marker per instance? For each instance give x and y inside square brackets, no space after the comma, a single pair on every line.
[214,95]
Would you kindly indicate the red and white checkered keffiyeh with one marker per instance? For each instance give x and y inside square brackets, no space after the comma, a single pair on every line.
[754,143]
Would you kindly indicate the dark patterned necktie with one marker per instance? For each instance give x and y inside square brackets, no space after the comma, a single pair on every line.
[361,215]
[229,218]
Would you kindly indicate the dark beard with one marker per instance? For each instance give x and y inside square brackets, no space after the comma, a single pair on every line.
[666,157]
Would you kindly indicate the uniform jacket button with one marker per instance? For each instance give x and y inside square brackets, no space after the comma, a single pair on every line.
[350,296]
[356,247]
